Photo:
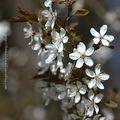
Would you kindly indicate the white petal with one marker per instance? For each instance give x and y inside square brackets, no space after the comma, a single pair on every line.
[71,92]
[96,108]
[60,47]
[55,35]
[81,47]
[79,63]
[48,3]
[105,42]
[96,40]
[88,61]
[77,97]
[61,96]
[45,13]
[91,95]
[97,69]
[89,51]
[74,56]
[90,73]
[36,46]
[110,38]
[103,30]
[98,98]
[50,58]
[83,90]
[94,32]
[62,32]
[52,24]
[60,87]
[48,24]
[49,46]
[92,83]
[59,62]
[79,84]
[90,111]
[104,76]
[100,85]
[65,39]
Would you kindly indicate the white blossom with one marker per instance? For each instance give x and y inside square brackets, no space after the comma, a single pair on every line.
[59,39]
[48,3]
[53,53]
[50,15]
[4,30]
[101,37]
[66,72]
[97,77]
[72,91]
[82,55]
[91,104]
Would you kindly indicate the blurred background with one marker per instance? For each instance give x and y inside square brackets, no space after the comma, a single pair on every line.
[22,100]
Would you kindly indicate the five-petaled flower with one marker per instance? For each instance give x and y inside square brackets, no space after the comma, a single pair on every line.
[91,104]
[97,77]
[82,55]
[101,37]
[59,39]
[49,14]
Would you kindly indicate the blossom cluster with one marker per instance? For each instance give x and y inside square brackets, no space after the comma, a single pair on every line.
[79,98]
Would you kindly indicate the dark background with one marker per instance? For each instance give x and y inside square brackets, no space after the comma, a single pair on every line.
[21,101]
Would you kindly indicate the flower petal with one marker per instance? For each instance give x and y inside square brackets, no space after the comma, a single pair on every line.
[77,97]
[79,84]
[79,63]
[50,58]
[74,56]
[89,51]
[104,76]
[90,73]
[55,35]
[62,32]
[105,42]
[36,46]
[91,95]
[83,90]
[96,40]
[100,85]
[88,61]
[81,47]
[90,111]
[48,3]
[62,95]
[92,83]
[94,32]
[60,49]
[96,108]
[97,69]
[98,98]
[110,38]
[65,39]
[103,30]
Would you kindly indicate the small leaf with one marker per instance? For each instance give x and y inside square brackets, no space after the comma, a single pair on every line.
[111,104]
[81,12]
[18,19]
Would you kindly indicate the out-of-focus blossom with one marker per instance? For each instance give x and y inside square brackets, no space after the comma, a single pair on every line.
[59,39]
[101,37]
[4,30]
[50,15]
[91,104]
[82,55]
[97,77]
[66,72]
